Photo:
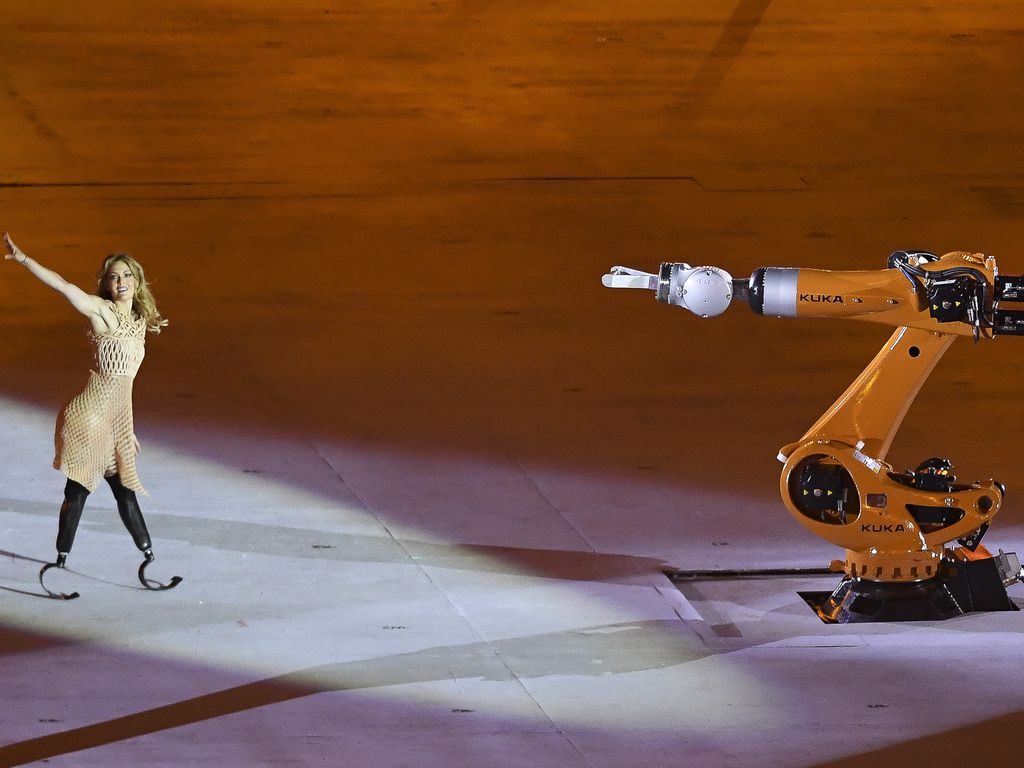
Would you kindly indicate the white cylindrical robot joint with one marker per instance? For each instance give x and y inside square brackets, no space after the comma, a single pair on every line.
[705,291]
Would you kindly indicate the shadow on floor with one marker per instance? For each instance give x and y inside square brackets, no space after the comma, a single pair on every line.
[591,651]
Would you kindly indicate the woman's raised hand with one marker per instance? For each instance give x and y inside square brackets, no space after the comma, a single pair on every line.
[13,252]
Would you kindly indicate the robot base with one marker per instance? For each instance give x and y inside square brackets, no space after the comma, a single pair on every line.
[961,587]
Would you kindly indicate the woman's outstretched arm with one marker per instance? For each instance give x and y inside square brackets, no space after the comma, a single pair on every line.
[85,303]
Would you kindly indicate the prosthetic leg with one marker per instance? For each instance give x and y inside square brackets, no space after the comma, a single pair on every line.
[70,514]
[128,508]
[131,515]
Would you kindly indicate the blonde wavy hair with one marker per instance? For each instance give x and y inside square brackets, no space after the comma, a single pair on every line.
[143,305]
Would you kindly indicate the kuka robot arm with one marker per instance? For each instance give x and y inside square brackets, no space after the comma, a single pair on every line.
[958,293]
[835,481]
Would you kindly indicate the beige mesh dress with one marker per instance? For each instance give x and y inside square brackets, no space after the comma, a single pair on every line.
[95,431]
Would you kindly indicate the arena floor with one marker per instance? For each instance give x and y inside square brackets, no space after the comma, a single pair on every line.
[420,472]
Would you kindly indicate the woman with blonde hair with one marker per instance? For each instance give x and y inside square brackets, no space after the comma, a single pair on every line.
[95,434]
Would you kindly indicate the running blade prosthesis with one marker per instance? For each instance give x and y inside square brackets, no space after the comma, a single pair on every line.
[147,582]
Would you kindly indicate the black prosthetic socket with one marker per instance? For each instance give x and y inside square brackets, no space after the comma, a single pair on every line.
[70,514]
[131,514]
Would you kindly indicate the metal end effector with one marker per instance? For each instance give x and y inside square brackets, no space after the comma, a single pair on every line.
[705,291]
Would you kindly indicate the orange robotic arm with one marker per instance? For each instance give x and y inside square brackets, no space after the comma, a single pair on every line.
[835,482]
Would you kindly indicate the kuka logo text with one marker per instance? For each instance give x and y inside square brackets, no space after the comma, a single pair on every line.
[821,298]
[879,528]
